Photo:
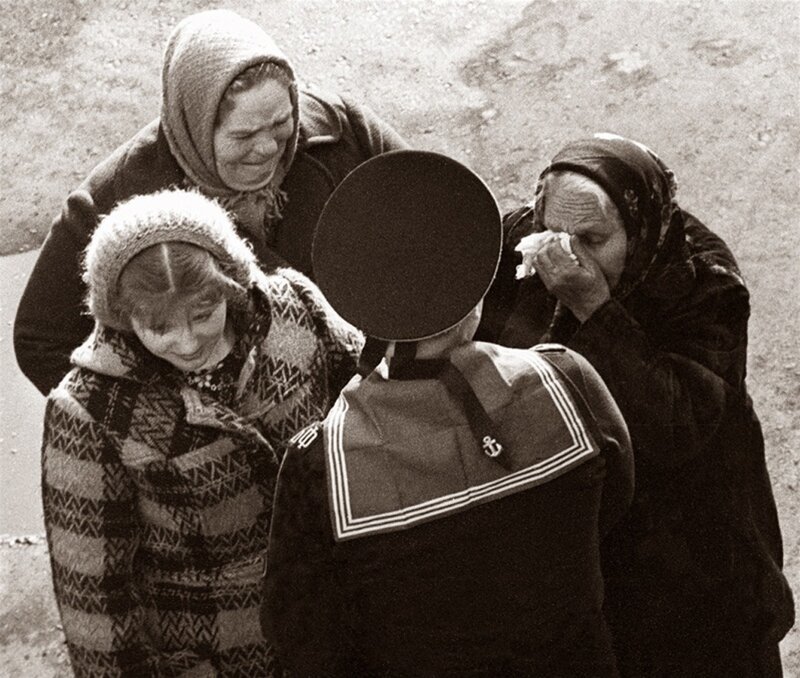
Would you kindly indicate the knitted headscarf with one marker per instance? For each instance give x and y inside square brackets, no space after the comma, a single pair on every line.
[203,55]
[146,220]
[643,190]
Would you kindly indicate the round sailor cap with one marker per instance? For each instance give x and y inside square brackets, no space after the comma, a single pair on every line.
[407,245]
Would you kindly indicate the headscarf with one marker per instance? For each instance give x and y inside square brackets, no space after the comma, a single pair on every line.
[643,190]
[204,54]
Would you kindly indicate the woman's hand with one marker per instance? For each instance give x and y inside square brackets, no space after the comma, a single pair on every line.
[579,285]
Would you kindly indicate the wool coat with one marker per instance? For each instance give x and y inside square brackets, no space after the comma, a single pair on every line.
[157,497]
[335,136]
[400,547]
[694,573]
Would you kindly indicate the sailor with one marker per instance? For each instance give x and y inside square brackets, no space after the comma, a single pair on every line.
[445,517]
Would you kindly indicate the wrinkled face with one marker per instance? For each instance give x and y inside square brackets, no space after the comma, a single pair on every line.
[194,340]
[250,139]
[595,220]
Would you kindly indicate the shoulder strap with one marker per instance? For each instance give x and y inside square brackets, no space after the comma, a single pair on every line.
[481,425]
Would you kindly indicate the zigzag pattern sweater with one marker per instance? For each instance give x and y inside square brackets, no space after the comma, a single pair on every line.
[157,499]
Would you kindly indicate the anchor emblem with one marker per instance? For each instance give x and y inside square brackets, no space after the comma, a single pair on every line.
[491,447]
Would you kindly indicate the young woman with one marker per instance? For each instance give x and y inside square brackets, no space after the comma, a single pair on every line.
[234,124]
[161,445]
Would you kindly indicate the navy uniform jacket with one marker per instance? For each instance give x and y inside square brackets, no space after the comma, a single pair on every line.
[399,546]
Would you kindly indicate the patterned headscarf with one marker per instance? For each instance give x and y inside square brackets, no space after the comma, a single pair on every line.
[643,190]
[204,54]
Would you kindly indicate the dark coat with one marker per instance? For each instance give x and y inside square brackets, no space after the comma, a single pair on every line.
[693,575]
[157,497]
[335,136]
[426,557]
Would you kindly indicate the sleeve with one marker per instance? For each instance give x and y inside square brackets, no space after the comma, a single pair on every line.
[50,321]
[374,136]
[302,612]
[92,533]
[596,403]
[341,342]
[675,391]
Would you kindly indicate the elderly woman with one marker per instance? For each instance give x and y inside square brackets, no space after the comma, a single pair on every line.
[161,445]
[234,124]
[656,303]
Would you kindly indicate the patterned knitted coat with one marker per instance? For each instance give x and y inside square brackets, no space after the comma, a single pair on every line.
[157,498]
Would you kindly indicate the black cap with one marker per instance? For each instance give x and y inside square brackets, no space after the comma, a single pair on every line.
[407,245]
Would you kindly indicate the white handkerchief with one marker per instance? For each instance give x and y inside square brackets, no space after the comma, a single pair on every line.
[530,245]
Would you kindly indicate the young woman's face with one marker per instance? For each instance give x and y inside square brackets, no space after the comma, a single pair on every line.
[193,340]
[250,140]
[600,231]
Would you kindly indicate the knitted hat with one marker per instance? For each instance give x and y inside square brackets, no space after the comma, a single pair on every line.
[407,245]
[146,220]
[203,55]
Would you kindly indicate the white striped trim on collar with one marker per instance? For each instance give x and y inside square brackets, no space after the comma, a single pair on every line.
[346,526]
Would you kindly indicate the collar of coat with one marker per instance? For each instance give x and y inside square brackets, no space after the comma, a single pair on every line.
[121,355]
